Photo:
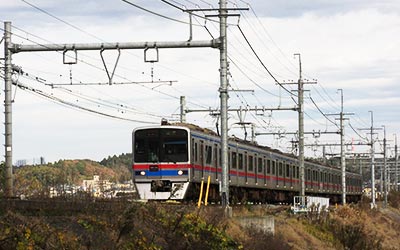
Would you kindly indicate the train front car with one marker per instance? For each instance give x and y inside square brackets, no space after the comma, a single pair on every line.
[161,162]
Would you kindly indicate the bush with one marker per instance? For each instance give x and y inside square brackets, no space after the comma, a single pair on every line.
[394,199]
[348,228]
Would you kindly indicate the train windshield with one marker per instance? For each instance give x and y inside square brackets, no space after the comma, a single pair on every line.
[161,145]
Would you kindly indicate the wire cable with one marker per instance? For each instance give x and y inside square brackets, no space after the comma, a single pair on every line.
[157,14]
[262,63]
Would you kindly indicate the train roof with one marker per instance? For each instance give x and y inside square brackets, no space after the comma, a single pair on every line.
[249,143]
[245,142]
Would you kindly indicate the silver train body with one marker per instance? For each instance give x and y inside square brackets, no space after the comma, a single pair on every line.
[170,162]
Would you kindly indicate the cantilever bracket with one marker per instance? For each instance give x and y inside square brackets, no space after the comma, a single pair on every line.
[75,59]
[151,60]
[110,77]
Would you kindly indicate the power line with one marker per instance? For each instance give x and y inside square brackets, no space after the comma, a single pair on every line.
[355,131]
[59,19]
[83,31]
[312,100]
[99,68]
[74,105]
[262,63]
[157,14]
[89,98]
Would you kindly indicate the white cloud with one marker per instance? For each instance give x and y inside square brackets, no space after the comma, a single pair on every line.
[349,45]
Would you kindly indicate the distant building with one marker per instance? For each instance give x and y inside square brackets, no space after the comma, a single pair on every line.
[33,162]
[20,163]
[96,186]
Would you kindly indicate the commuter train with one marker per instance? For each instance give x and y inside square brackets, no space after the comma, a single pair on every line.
[170,162]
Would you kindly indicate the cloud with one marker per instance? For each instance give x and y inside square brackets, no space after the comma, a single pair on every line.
[351,45]
[290,8]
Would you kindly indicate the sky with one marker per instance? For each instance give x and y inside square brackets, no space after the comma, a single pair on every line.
[351,45]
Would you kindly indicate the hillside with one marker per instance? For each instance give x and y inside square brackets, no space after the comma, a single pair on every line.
[119,224]
[37,180]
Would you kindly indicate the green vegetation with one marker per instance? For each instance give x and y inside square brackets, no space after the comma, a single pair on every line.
[37,181]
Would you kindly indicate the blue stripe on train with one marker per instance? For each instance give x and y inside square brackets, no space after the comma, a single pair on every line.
[162,173]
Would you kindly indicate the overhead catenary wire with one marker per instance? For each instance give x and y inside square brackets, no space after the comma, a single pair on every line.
[96,37]
[239,61]
[102,69]
[94,100]
[315,104]
[157,14]
[76,106]
[262,63]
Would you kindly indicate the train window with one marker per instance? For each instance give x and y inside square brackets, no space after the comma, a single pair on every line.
[173,145]
[268,166]
[208,155]
[297,172]
[260,165]
[308,174]
[251,163]
[240,161]
[165,145]
[140,150]
[195,151]
[273,167]
[287,170]
[280,170]
[234,160]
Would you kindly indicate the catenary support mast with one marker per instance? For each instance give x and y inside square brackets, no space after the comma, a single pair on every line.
[8,111]
[224,102]
[300,94]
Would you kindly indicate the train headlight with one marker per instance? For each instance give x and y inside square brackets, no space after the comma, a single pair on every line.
[142,173]
[180,172]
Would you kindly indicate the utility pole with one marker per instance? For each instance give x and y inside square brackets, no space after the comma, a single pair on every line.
[385,175]
[183,107]
[223,90]
[342,147]
[396,169]
[300,93]
[372,129]
[372,161]
[342,150]
[9,192]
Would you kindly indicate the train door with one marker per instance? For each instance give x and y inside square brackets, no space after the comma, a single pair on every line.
[194,158]
[274,178]
[245,168]
[208,169]
[265,171]
[287,175]
[241,179]
[250,170]
[269,173]
[215,163]
[229,165]
[256,169]
[260,171]
[279,175]
[201,156]
[234,162]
